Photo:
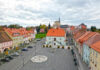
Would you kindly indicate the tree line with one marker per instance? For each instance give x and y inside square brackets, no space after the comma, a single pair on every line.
[41,26]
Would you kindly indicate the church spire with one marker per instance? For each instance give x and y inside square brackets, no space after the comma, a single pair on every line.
[59,19]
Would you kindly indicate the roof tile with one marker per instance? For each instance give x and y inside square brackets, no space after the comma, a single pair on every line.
[56,32]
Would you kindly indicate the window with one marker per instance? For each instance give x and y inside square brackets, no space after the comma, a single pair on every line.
[93,52]
[54,39]
[96,54]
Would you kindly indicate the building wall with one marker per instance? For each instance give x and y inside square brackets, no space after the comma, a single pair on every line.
[17,41]
[94,60]
[86,54]
[60,41]
[5,45]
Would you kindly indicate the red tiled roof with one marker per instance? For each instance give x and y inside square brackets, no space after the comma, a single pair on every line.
[96,46]
[4,37]
[72,28]
[18,32]
[56,32]
[79,33]
[83,26]
[93,39]
[85,38]
[82,36]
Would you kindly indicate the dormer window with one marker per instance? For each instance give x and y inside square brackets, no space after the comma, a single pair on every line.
[54,39]
[16,33]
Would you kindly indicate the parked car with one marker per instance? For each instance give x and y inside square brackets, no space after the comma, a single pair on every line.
[72,51]
[15,54]
[29,47]
[24,49]
[75,59]
[75,63]
[38,39]
[5,60]
[9,57]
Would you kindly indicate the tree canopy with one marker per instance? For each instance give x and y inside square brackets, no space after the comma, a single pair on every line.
[93,28]
[15,26]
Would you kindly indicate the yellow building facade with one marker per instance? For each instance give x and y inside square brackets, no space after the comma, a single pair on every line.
[95,56]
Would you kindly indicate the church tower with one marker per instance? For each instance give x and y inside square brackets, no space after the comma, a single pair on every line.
[57,24]
[59,19]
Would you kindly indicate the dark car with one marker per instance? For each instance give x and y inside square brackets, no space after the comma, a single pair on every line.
[9,57]
[29,47]
[72,51]
[75,63]
[5,60]
[75,59]
[24,49]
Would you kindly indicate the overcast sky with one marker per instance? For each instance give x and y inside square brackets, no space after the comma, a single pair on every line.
[34,12]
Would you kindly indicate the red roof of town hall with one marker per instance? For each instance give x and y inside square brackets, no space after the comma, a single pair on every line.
[58,32]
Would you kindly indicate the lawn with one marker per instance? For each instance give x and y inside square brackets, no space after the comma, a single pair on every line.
[40,35]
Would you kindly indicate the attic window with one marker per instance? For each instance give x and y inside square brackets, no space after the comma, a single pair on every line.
[54,39]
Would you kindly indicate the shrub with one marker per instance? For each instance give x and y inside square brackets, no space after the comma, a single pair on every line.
[50,46]
[43,46]
[58,47]
[46,45]
[62,47]
[68,47]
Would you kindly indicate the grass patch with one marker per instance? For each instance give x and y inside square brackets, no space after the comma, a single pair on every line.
[40,35]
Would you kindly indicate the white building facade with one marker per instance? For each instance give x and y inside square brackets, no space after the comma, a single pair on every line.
[56,39]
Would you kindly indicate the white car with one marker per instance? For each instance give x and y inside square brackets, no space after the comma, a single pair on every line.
[15,54]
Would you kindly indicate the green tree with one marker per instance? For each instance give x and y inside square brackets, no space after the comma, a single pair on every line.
[49,26]
[93,28]
[15,26]
[28,28]
[43,26]
[38,29]
[1,28]
[46,29]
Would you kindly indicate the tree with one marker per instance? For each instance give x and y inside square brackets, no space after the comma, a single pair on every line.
[38,29]
[15,26]
[4,26]
[46,29]
[43,26]
[1,28]
[49,26]
[28,28]
[93,28]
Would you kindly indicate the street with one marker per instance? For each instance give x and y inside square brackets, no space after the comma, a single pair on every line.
[58,59]
[81,64]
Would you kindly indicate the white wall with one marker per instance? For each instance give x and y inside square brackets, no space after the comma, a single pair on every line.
[50,41]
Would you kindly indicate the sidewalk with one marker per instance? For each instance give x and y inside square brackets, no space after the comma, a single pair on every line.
[82,65]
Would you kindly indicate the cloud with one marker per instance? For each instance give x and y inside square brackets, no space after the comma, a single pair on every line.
[34,12]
